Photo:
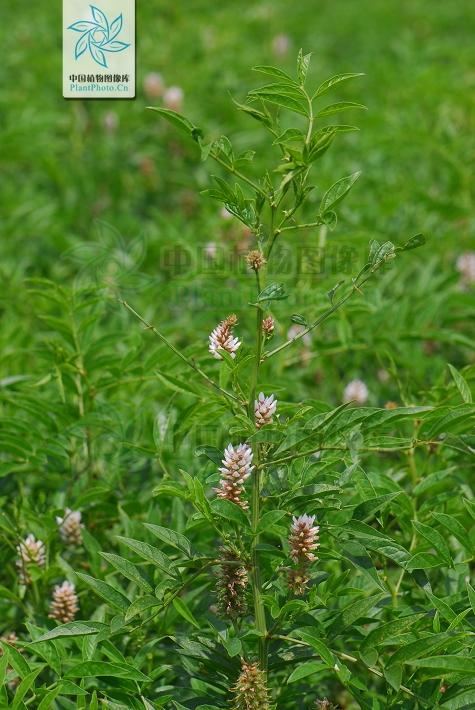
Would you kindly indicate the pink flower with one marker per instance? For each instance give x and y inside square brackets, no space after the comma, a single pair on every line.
[357,391]
[222,338]
[173,98]
[466,267]
[153,85]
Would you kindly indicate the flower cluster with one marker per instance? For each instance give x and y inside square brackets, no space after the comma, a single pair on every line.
[250,691]
[236,469]
[70,527]
[466,267]
[232,585]
[222,338]
[155,88]
[264,409]
[268,325]
[154,85]
[173,98]
[325,704]
[255,259]
[356,391]
[64,605]
[303,540]
[31,552]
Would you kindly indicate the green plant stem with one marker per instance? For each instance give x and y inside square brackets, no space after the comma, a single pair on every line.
[310,119]
[309,225]
[259,612]
[397,586]
[170,345]
[255,371]
[78,380]
[274,233]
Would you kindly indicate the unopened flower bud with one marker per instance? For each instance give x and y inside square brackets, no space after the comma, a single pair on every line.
[268,325]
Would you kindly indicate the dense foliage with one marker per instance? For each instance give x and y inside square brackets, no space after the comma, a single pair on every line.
[171,537]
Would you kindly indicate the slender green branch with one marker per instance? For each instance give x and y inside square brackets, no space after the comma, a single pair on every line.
[275,232]
[316,323]
[356,286]
[364,449]
[170,345]
[173,596]
[239,175]
[309,225]
[310,119]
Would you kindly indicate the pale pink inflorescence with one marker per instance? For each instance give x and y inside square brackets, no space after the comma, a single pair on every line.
[281,45]
[236,469]
[222,338]
[70,527]
[225,214]
[295,331]
[30,552]
[211,250]
[111,122]
[64,605]
[264,409]
[357,391]
[303,538]
[173,98]
[466,267]
[153,85]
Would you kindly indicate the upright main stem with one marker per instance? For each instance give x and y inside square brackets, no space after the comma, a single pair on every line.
[259,612]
